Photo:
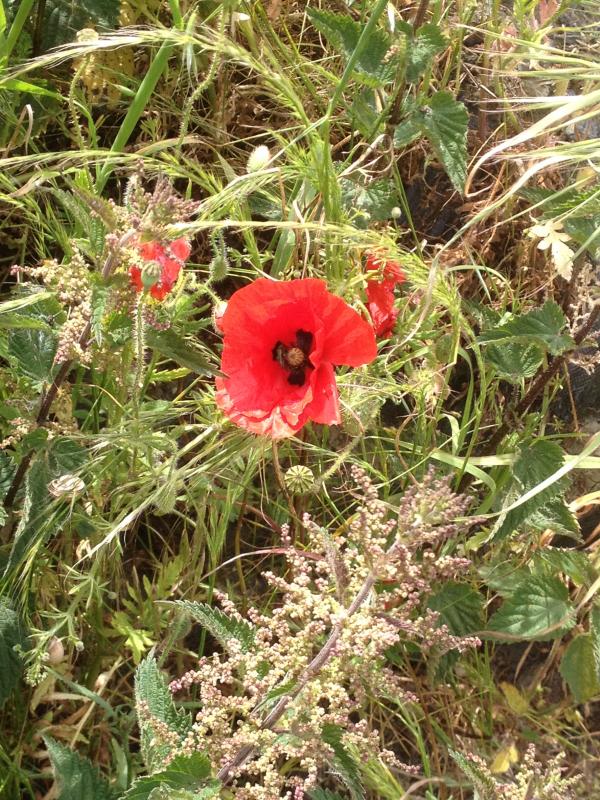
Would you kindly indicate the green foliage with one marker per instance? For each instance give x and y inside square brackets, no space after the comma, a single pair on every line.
[443,120]
[546,509]
[513,362]
[324,794]
[62,19]
[152,692]
[343,33]
[32,352]
[539,610]
[460,607]
[421,49]
[371,203]
[344,764]
[172,346]
[76,776]
[543,327]
[578,668]
[184,773]
[223,627]
[13,643]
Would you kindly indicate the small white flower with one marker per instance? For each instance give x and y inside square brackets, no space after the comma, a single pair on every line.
[552,236]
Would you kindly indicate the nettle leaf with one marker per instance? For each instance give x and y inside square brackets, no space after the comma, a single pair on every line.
[460,607]
[575,564]
[183,772]
[323,794]
[343,762]
[539,610]
[445,120]
[555,516]
[76,776]
[536,462]
[12,635]
[513,361]
[374,202]
[152,697]
[578,668]
[220,625]
[421,49]
[32,352]
[63,18]
[343,34]
[542,326]
[595,634]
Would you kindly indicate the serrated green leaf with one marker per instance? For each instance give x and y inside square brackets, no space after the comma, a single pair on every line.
[375,201]
[460,607]
[535,463]
[575,564]
[32,352]
[555,515]
[513,361]
[35,524]
[223,627]
[65,455]
[183,772]
[343,33]
[152,692]
[445,122]
[8,321]
[427,42]
[343,763]
[578,668]
[77,777]
[407,131]
[542,326]
[539,610]
[170,345]
[12,634]
[323,794]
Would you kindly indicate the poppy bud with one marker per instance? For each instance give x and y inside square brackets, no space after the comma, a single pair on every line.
[219,267]
[299,479]
[151,272]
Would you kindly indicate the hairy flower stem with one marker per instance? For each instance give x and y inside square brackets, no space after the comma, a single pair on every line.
[140,347]
[50,394]
[309,672]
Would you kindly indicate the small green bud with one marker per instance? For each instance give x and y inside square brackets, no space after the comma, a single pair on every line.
[151,272]
[219,267]
[299,479]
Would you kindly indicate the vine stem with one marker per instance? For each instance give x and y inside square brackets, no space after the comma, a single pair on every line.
[50,394]
[309,672]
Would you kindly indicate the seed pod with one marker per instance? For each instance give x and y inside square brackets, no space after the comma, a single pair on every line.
[299,479]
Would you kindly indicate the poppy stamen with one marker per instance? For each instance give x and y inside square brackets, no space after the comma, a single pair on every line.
[294,357]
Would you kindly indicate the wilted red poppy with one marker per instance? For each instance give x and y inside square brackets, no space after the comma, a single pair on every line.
[281,340]
[169,257]
[380,292]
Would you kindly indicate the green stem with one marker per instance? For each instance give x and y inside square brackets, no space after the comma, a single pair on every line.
[136,110]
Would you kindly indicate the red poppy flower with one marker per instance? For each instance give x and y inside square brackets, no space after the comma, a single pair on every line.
[169,257]
[281,340]
[380,293]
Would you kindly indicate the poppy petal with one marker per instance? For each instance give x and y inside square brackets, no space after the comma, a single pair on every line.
[348,338]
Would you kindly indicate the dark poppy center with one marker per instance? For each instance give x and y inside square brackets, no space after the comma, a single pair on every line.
[294,357]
